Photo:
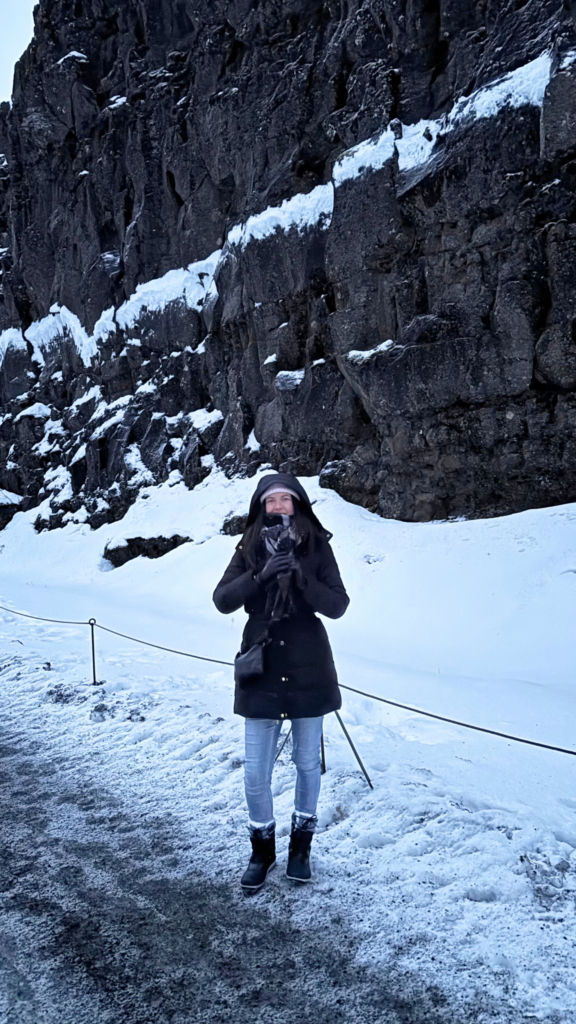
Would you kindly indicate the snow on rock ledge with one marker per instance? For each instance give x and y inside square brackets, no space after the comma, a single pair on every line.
[415,143]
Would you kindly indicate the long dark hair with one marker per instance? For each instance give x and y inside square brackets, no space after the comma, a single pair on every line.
[307,532]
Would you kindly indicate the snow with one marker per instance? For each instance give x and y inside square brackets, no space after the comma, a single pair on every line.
[43,334]
[139,473]
[369,155]
[270,359]
[80,454]
[253,444]
[417,143]
[460,865]
[117,101]
[568,60]
[53,430]
[38,411]
[73,54]
[60,480]
[201,419]
[95,392]
[359,356]
[189,285]
[11,339]
[288,380]
[524,86]
[104,409]
[9,498]
[302,211]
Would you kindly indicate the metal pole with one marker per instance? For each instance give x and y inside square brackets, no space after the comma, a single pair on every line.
[283,745]
[92,623]
[356,754]
[323,754]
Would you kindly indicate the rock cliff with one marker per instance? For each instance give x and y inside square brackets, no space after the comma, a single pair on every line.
[334,237]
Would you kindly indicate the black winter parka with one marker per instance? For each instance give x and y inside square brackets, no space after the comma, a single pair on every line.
[299,679]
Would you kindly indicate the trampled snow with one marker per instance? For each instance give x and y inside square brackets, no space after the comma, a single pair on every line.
[460,865]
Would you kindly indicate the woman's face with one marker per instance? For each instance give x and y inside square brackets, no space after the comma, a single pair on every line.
[280,504]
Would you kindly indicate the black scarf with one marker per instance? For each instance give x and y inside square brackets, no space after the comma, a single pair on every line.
[279,534]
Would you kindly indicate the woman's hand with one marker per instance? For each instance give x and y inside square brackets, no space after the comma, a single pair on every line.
[278,563]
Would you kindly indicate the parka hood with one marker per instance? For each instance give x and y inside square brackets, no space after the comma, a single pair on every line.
[282,480]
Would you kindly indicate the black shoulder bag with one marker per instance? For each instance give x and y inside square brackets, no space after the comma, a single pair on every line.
[249,665]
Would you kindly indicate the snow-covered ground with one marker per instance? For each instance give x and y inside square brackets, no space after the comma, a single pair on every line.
[460,865]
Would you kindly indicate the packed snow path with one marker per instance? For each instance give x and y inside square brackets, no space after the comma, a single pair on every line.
[107,916]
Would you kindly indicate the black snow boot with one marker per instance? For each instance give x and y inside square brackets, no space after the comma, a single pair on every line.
[303,829]
[262,860]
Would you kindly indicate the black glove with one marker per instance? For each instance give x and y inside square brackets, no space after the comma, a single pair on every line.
[280,562]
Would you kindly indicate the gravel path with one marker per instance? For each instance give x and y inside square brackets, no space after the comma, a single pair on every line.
[101,924]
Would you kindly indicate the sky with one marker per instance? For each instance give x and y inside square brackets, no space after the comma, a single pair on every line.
[17,30]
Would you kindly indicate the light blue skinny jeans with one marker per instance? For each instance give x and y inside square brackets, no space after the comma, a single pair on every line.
[261,741]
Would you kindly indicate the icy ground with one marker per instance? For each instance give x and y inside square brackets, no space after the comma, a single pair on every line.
[459,869]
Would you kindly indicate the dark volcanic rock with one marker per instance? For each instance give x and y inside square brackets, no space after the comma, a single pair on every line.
[234,526]
[149,547]
[417,347]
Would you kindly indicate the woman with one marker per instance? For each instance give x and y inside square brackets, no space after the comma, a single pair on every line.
[283,572]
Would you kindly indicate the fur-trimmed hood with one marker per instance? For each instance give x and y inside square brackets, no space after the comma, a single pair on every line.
[290,482]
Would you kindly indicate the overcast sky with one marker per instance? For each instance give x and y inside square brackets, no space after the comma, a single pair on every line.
[16,32]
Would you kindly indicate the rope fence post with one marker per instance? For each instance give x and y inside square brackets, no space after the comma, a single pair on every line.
[356,754]
[283,744]
[92,623]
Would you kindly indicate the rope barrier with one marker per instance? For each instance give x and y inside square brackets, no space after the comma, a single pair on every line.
[370,696]
[40,618]
[454,721]
[171,650]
